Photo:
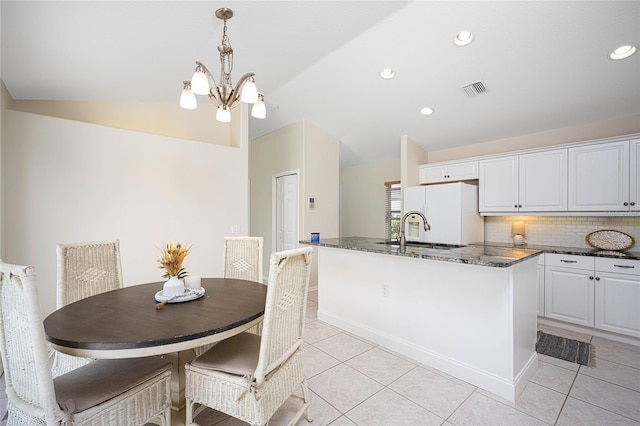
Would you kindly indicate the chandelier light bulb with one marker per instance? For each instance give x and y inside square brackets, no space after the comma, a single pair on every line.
[199,82]
[223,114]
[187,98]
[259,109]
[249,92]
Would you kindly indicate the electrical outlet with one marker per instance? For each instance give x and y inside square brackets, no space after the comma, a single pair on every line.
[385,290]
[235,229]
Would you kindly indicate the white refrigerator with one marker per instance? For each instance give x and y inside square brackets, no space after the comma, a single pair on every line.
[450,208]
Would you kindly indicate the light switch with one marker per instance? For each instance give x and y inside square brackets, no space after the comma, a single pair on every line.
[235,229]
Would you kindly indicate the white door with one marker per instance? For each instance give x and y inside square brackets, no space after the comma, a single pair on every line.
[286,212]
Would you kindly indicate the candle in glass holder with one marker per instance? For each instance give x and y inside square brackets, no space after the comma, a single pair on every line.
[193,282]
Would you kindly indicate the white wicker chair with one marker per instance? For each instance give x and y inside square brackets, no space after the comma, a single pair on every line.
[249,376]
[243,258]
[104,392]
[84,269]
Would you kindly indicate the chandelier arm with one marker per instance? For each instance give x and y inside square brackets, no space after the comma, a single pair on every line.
[214,100]
[208,74]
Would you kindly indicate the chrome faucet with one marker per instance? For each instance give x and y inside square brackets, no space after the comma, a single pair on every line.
[401,239]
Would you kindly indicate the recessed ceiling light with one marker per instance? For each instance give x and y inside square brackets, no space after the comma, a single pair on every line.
[463,38]
[623,52]
[426,111]
[387,73]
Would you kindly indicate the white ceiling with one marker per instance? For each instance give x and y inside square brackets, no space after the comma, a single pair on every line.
[545,63]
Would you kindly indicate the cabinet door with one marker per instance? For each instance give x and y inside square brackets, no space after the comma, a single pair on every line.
[599,177]
[617,303]
[634,175]
[463,171]
[540,288]
[569,295]
[448,172]
[542,184]
[498,184]
[432,174]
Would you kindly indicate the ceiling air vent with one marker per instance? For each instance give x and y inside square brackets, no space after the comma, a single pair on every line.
[473,89]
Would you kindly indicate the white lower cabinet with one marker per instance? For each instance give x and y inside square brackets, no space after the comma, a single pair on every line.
[598,292]
[569,294]
[617,296]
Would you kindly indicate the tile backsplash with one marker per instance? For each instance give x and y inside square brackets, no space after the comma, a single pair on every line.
[565,231]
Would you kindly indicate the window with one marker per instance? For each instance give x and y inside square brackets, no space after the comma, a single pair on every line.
[392,210]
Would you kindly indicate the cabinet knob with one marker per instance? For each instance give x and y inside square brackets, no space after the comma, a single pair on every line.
[597,278]
[519,206]
[590,278]
[625,204]
[633,203]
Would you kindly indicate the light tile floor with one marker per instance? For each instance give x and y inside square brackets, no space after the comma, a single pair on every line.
[355,382]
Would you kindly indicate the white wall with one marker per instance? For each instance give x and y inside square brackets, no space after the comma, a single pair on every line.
[276,152]
[411,156]
[70,181]
[315,154]
[363,197]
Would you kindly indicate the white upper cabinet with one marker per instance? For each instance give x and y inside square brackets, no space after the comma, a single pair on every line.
[599,177]
[542,181]
[634,175]
[498,184]
[466,170]
[524,183]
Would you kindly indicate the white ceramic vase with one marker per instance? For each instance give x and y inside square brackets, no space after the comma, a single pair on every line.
[172,287]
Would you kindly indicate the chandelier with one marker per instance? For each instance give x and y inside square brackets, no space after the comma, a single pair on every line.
[223,96]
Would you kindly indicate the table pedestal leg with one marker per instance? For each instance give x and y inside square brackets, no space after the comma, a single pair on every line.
[179,359]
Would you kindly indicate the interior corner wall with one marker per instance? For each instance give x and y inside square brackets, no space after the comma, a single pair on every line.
[74,181]
[411,156]
[276,152]
[363,197]
[5,102]
[322,183]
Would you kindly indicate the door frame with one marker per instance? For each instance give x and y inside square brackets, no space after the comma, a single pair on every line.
[274,223]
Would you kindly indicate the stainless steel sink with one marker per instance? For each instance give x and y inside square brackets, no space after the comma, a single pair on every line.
[435,246]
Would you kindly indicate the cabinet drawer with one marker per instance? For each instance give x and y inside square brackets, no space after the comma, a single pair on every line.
[619,266]
[569,261]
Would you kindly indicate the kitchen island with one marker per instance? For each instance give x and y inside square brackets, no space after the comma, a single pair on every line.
[467,311]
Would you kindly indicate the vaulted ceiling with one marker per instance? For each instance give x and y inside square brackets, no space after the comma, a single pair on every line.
[545,64]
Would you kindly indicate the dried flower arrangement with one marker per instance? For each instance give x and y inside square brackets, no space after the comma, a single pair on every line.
[173,255]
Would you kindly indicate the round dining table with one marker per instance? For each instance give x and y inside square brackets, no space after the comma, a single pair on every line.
[126,323]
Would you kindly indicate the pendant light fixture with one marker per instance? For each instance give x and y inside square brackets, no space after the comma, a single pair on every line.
[223,95]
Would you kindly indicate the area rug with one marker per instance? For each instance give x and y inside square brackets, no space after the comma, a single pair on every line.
[566,349]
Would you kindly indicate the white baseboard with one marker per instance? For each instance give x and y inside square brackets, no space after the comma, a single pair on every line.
[501,386]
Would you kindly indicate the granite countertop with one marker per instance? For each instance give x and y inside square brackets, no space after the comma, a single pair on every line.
[483,253]
[473,254]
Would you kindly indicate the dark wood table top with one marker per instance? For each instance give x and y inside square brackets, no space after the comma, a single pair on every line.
[125,323]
